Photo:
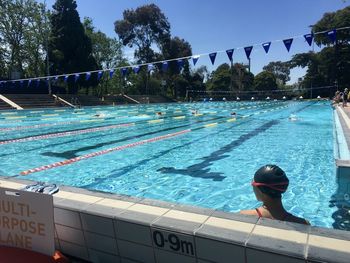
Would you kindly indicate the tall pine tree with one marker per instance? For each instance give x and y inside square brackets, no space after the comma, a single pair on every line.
[70,48]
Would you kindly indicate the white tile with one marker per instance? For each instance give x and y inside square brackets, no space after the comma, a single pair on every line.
[67,218]
[71,235]
[219,252]
[101,243]
[136,252]
[97,224]
[133,232]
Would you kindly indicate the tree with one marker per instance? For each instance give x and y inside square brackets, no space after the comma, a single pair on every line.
[107,51]
[177,48]
[280,70]
[23,29]
[331,65]
[70,49]
[220,78]
[265,81]
[143,27]
[329,21]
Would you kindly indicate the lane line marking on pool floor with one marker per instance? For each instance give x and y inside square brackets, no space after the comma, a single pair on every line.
[90,155]
[74,122]
[63,134]
[118,148]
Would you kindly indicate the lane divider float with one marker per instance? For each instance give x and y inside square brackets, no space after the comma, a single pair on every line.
[63,134]
[94,154]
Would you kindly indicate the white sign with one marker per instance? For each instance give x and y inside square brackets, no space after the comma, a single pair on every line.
[26,220]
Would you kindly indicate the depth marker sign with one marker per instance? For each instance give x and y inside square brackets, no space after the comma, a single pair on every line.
[26,221]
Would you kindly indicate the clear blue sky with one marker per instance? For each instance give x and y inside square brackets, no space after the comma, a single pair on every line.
[211,26]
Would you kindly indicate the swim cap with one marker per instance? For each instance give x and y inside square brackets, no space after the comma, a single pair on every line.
[271,180]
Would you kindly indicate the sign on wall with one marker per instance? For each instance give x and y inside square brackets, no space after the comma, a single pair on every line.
[26,220]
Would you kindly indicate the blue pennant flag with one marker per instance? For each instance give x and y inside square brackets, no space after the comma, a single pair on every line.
[21,83]
[29,82]
[99,75]
[288,43]
[165,66]
[66,78]
[309,38]
[37,83]
[332,35]
[111,73]
[248,51]
[194,60]
[87,76]
[123,71]
[136,69]
[56,78]
[212,57]
[76,77]
[229,53]
[180,64]
[149,67]
[266,46]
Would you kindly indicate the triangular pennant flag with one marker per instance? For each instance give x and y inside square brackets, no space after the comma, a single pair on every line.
[136,69]
[21,83]
[99,75]
[123,71]
[56,78]
[111,73]
[180,64]
[149,67]
[229,53]
[288,43]
[195,60]
[309,38]
[37,83]
[76,77]
[165,66]
[212,57]
[248,51]
[332,35]
[87,76]
[29,82]
[266,46]
[66,78]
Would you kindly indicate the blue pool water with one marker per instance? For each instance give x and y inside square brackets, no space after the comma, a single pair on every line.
[210,165]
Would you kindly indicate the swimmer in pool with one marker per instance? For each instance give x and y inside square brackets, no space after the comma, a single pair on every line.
[269,183]
[293,117]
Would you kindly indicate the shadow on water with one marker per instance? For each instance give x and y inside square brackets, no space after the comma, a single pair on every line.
[127,169]
[202,169]
[74,153]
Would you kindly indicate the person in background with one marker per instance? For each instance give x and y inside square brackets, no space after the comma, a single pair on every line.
[269,183]
[345,97]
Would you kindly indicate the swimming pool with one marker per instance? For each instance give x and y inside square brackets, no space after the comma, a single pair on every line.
[205,159]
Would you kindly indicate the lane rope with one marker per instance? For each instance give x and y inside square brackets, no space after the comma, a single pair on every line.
[94,154]
[63,134]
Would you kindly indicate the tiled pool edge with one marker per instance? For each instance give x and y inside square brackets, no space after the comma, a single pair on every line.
[102,227]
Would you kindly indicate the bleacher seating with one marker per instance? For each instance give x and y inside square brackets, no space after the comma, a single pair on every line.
[27,101]
[5,106]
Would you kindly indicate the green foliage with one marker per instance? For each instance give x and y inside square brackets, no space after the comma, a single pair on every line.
[329,21]
[331,65]
[23,29]
[265,81]
[176,48]
[142,27]
[70,49]
[220,78]
[280,70]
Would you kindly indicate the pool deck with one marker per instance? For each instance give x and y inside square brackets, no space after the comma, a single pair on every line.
[103,227]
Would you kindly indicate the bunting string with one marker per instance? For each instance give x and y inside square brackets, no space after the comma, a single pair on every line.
[331,34]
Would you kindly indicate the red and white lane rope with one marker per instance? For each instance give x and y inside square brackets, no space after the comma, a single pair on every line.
[63,134]
[94,154]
